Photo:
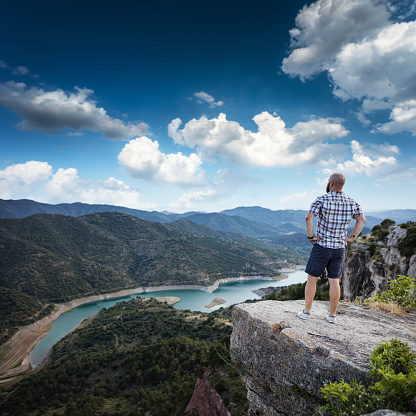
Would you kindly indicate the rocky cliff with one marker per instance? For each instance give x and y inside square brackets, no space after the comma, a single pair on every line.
[285,361]
[370,265]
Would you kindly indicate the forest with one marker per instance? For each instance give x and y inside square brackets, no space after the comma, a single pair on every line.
[47,259]
[135,357]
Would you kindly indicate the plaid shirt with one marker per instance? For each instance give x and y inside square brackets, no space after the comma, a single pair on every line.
[335,211]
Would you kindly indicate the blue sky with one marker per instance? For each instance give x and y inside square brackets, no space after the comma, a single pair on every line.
[207,106]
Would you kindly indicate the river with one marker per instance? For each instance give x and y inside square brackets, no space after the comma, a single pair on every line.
[195,300]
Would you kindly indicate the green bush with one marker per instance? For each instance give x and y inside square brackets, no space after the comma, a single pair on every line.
[407,246]
[393,373]
[401,290]
[381,231]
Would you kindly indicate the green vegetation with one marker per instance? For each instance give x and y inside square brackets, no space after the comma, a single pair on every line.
[16,309]
[136,357]
[381,231]
[401,291]
[297,291]
[393,384]
[407,246]
[55,258]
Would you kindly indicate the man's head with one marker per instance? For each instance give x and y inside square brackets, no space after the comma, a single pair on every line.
[335,182]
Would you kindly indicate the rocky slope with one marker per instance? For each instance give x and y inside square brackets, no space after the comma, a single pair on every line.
[285,361]
[371,264]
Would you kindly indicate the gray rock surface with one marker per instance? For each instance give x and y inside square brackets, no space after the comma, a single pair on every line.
[366,276]
[285,360]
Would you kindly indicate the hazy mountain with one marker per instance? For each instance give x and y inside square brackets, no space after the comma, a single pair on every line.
[25,207]
[267,216]
[234,224]
[255,222]
[398,215]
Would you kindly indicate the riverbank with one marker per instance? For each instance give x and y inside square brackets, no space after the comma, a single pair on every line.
[14,355]
[214,286]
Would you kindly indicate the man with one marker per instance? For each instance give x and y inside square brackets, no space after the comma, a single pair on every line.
[335,211]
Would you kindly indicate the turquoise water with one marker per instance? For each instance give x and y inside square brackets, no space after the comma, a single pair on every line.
[195,300]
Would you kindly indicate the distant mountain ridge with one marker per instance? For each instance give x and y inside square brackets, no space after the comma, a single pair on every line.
[255,222]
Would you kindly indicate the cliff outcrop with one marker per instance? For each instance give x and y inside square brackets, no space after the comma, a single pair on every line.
[284,361]
[206,401]
[370,265]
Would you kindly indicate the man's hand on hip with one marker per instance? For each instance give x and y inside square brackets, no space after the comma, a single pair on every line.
[314,240]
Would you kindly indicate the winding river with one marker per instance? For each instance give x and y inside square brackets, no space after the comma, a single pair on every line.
[195,300]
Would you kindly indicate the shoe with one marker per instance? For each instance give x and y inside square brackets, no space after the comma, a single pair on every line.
[304,315]
[331,319]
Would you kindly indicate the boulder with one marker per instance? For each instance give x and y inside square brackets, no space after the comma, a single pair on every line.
[284,361]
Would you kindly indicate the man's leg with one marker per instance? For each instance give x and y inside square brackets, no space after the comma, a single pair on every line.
[310,290]
[334,295]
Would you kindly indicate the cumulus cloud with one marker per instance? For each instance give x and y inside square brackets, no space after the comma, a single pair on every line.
[323,28]
[273,145]
[141,158]
[204,98]
[374,162]
[403,118]
[367,56]
[226,183]
[16,180]
[382,68]
[56,111]
[66,185]
[36,180]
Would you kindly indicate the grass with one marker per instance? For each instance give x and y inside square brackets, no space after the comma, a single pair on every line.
[391,308]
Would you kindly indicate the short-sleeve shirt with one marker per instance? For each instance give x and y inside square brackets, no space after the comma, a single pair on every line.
[335,211]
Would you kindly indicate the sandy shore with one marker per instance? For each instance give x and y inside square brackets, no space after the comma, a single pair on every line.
[14,354]
[216,302]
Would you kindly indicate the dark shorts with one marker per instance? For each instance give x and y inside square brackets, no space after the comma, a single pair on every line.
[321,258]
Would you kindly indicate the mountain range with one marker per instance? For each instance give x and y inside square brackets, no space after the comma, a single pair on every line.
[256,222]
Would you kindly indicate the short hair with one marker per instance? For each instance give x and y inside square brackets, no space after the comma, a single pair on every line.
[338,179]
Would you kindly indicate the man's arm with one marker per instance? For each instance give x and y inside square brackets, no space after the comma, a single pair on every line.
[359,224]
[309,226]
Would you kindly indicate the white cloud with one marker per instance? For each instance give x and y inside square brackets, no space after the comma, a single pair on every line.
[367,56]
[36,180]
[273,145]
[191,199]
[203,97]
[299,200]
[379,68]
[17,180]
[141,158]
[67,186]
[403,118]
[226,183]
[373,162]
[324,27]
[55,111]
